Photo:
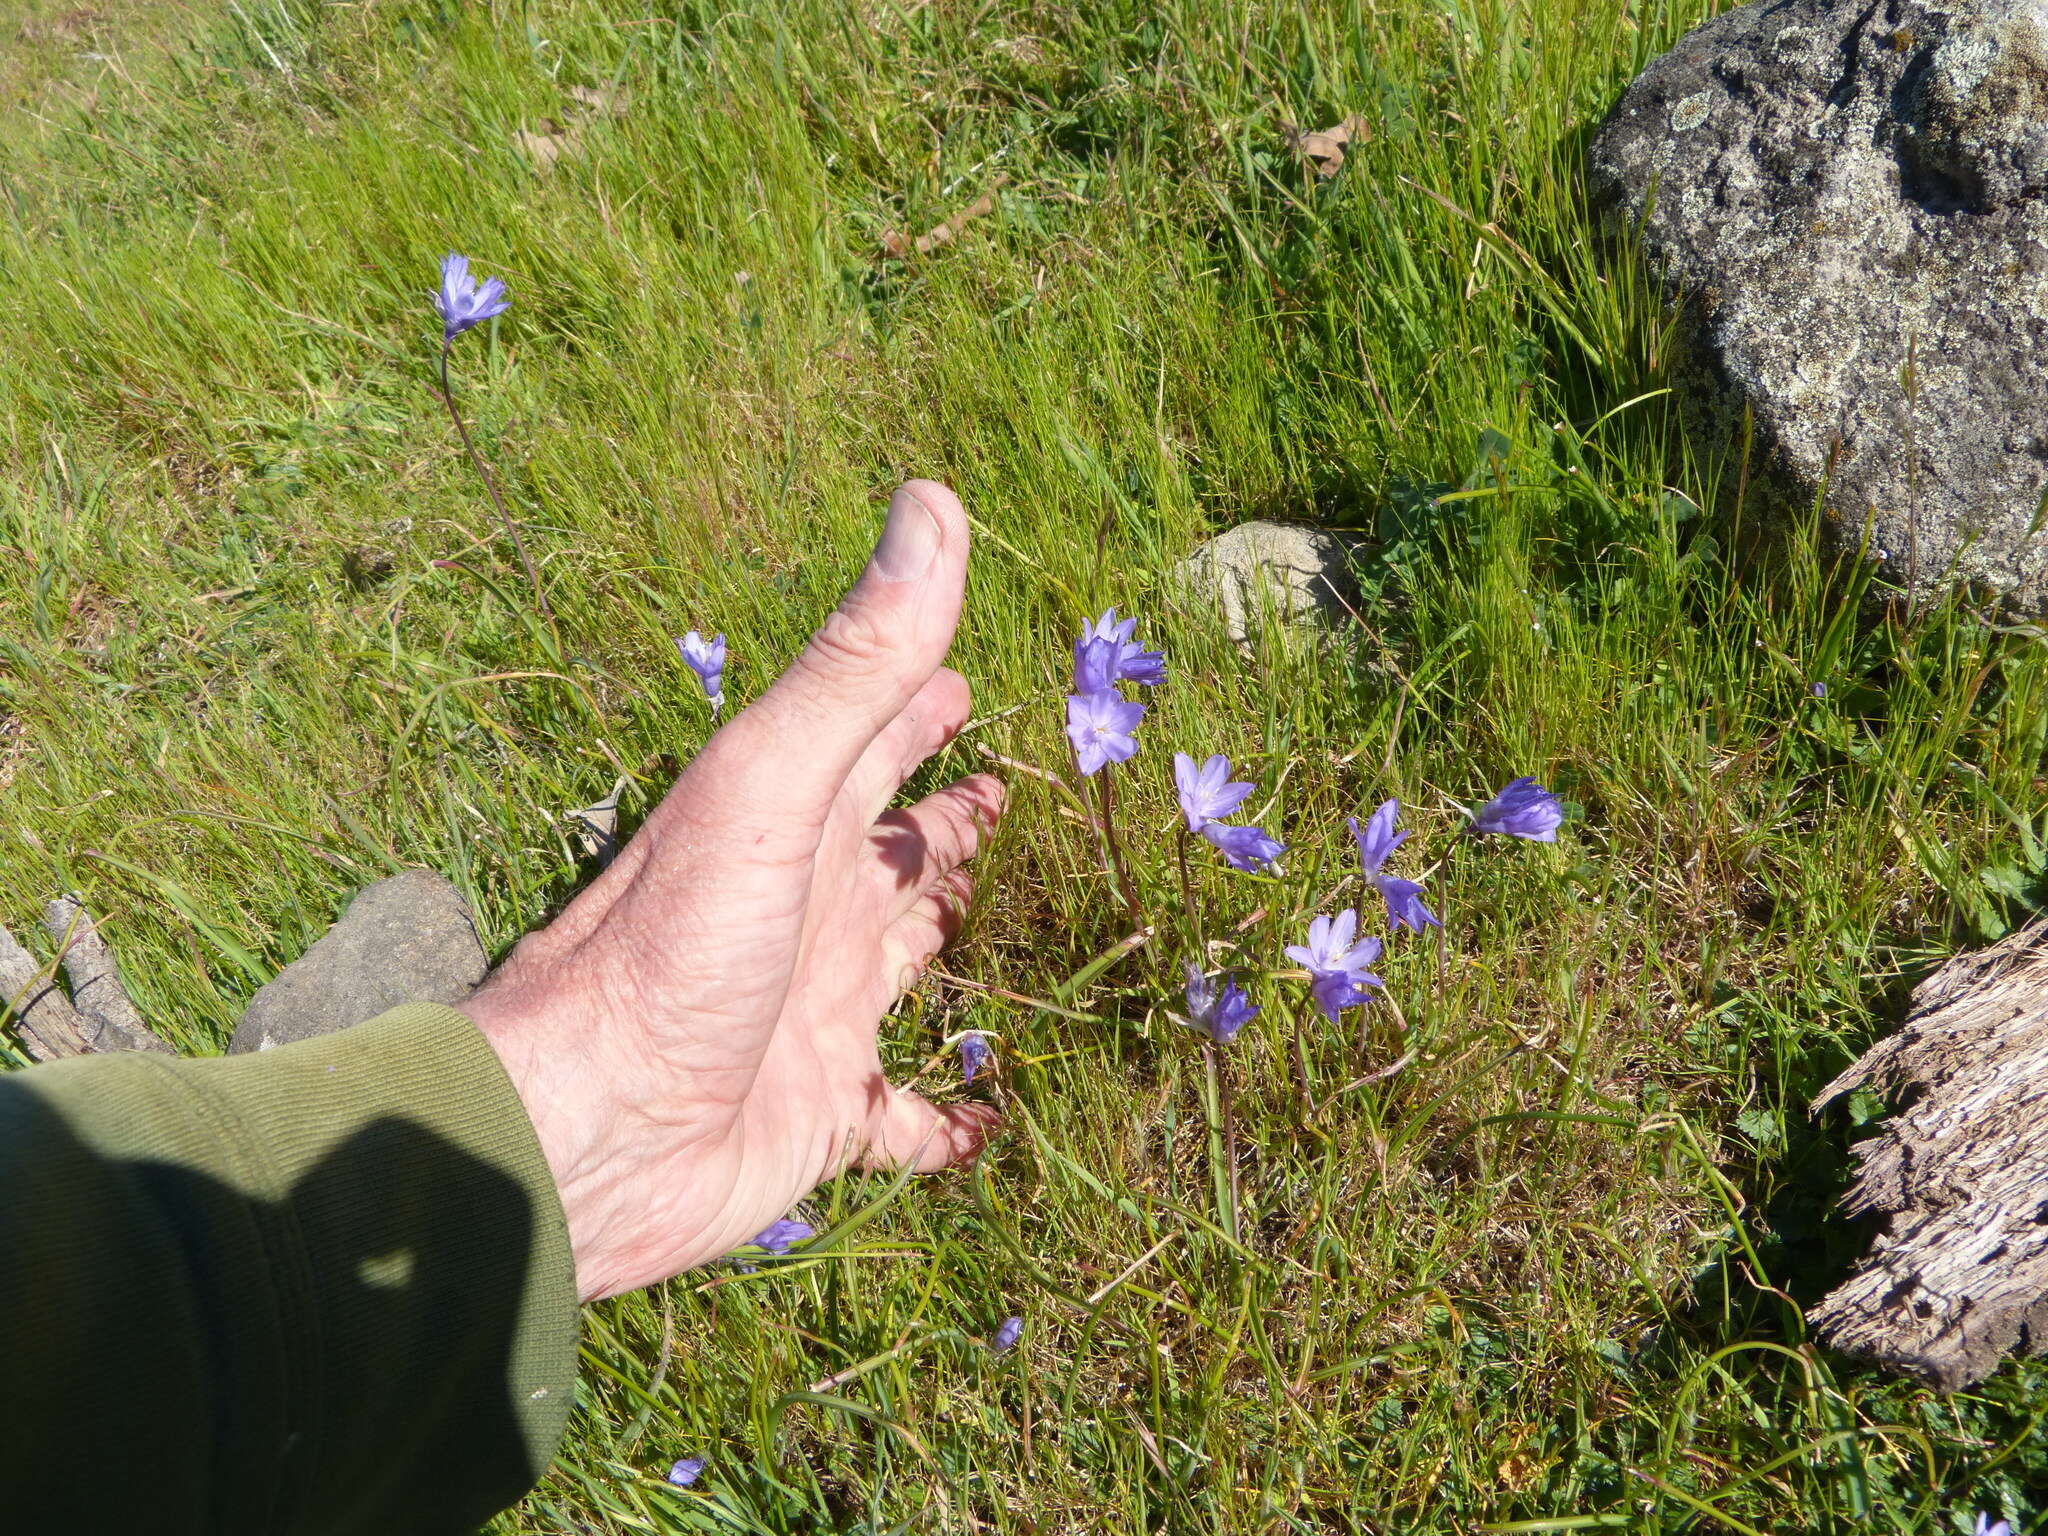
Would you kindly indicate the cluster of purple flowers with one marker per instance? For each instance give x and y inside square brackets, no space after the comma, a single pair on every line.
[1207,793]
[1101,723]
[1336,958]
[1102,727]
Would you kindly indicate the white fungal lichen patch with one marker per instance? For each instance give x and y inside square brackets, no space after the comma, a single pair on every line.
[1691,111]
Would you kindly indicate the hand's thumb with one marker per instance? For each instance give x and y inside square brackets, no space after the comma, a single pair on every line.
[800,739]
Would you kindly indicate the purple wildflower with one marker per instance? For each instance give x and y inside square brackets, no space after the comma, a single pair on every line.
[1107,654]
[1376,841]
[1100,725]
[1523,809]
[686,1471]
[706,658]
[1247,848]
[975,1054]
[1207,793]
[1008,1332]
[461,302]
[1986,1528]
[779,1237]
[1337,967]
[1819,690]
[1094,665]
[1219,1014]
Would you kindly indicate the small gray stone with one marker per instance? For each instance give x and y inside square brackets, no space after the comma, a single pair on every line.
[1847,204]
[1302,574]
[409,939]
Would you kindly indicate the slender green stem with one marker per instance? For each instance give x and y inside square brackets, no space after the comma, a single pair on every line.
[491,484]
[1187,897]
[1119,874]
[1222,1110]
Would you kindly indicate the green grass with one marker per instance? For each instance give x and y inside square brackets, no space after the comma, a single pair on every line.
[1544,1278]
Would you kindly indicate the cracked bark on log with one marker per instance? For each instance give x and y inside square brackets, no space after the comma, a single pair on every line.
[111,1020]
[1960,1275]
[48,1025]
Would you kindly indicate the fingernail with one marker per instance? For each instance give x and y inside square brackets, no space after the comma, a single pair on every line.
[910,540]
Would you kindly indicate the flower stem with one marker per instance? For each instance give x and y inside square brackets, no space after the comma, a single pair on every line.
[1119,874]
[1223,1119]
[491,485]
[1187,897]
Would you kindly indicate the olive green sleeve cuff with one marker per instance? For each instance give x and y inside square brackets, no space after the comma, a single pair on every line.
[328,1285]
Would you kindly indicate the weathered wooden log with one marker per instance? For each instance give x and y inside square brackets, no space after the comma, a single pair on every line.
[111,1021]
[1960,1276]
[48,1025]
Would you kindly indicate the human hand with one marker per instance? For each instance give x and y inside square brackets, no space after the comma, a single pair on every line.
[694,1036]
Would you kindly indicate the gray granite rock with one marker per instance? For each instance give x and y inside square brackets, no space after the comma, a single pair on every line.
[1302,574]
[1848,201]
[408,939]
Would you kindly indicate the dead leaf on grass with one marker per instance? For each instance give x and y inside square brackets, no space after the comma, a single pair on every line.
[605,100]
[897,244]
[63,28]
[547,143]
[596,827]
[551,140]
[1324,149]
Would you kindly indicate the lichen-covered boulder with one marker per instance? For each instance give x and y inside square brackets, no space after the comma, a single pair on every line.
[1848,202]
[1301,575]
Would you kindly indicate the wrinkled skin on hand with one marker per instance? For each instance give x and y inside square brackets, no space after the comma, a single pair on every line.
[695,1036]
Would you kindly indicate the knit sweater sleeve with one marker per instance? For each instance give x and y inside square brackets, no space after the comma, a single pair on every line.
[321,1289]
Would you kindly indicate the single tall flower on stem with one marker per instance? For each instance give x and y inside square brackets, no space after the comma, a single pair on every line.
[1206,793]
[463,305]
[1102,727]
[975,1054]
[1523,809]
[1106,654]
[1336,966]
[462,302]
[706,658]
[1250,849]
[1219,1012]
[1376,840]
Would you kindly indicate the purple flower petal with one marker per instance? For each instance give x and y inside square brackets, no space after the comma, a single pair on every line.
[975,1054]
[1094,665]
[686,1471]
[1101,727]
[706,658]
[1250,849]
[1404,904]
[1334,991]
[1008,1332]
[780,1236]
[1206,793]
[1218,1013]
[461,303]
[1378,838]
[1523,809]
[1337,967]
[1123,662]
